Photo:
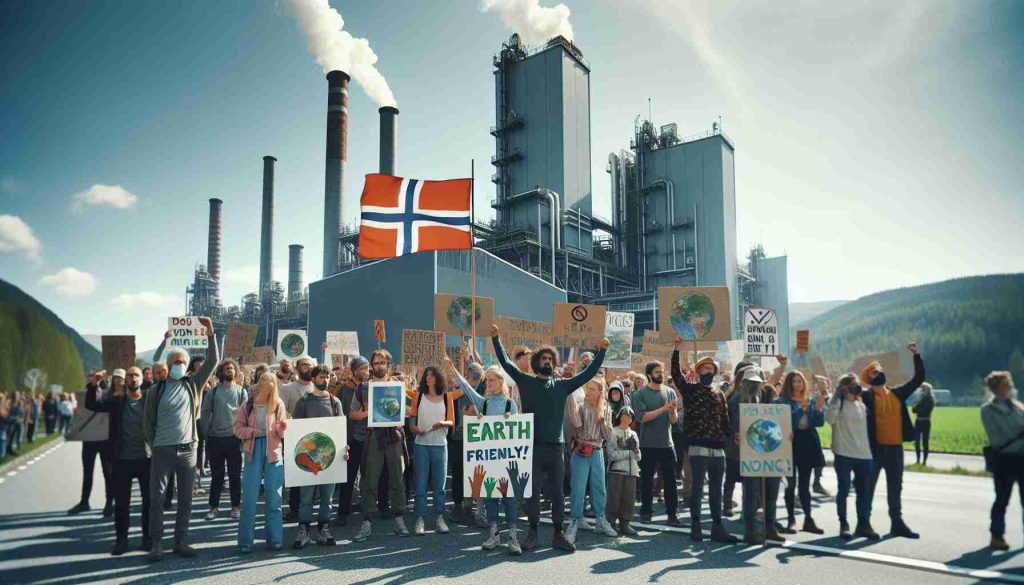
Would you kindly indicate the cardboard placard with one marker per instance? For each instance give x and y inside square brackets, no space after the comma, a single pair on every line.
[292,343]
[386,404]
[314,451]
[760,331]
[766,449]
[422,347]
[651,336]
[497,456]
[343,342]
[118,352]
[379,331]
[890,362]
[579,326]
[187,333]
[240,340]
[88,425]
[619,331]
[513,332]
[660,352]
[263,354]
[452,314]
[698,313]
[818,366]
[803,340]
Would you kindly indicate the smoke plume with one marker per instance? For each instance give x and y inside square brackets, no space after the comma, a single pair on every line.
[335,48]
[535,24]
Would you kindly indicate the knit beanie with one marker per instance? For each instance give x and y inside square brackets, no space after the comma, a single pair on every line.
[358,362]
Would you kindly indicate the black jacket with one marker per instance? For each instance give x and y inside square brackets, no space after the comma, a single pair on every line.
[903,393]
[112,405]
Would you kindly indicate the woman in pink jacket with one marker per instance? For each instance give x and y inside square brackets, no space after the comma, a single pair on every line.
[260,424]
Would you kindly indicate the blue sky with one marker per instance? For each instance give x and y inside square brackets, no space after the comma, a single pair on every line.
[877,145]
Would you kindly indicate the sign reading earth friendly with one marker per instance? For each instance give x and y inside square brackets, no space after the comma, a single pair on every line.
[764,436]
[315,452]
[459,311]
[692,315]
[292,345]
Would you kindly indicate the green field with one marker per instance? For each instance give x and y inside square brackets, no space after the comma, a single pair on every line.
[955,429]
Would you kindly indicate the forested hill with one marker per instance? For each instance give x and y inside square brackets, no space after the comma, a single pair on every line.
[965,328]
[32,336]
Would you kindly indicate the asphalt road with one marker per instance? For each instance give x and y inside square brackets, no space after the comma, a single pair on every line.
[40,544]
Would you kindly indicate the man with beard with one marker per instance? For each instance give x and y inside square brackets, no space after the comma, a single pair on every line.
[92,449]
[222,446]
[544,395]
[291,394]
[360,367]
[655,407]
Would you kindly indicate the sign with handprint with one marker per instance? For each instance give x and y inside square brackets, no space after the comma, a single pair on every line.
[497,456]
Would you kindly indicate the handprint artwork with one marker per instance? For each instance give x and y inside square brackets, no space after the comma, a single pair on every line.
[497,453]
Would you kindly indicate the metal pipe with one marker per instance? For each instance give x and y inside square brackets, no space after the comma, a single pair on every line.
[555,212]
[294,272]
[670,208]
[213,244]
[334,179]
[388,139]
[696,257]
[267,227]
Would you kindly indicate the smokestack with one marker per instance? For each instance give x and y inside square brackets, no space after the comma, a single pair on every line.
[334,181]
[213,244]
[294,271]
[267,226]
[388,139]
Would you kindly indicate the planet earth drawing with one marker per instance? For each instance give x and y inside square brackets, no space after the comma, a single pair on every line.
[764,436]
[459,311]
[315,452]
[387,407]
[692,315]
[292,345]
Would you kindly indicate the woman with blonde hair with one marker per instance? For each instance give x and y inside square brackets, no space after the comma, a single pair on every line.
[1003,419]
[260,424]
[592,423]
[808,413]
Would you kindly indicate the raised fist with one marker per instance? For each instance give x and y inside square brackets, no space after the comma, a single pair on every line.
[494,330]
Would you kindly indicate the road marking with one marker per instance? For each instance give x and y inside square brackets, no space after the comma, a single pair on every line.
[22,467]
[12,473]
[3,479]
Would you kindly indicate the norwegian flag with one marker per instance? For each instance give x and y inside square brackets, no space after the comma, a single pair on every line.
[404,216]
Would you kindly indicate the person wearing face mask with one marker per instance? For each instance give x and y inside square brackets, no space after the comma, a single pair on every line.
[1003,419]
[852,450]
[291,393]
[889,427]
[655,408]
[169,426]
[217,419]
[544,396]
[128,450]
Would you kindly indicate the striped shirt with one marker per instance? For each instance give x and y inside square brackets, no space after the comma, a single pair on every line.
[587,429]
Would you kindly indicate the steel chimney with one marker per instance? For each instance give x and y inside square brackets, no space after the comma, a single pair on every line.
[213,244]
[334,181]
[294,271]
[267,226]
[388,139]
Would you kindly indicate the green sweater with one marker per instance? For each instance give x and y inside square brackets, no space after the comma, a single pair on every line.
[546,398]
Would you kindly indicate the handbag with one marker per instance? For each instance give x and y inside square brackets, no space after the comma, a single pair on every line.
[582,449]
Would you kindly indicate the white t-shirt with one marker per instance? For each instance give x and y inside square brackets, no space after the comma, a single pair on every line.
[428,414]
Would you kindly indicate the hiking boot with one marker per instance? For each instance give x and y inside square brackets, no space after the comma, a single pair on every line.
[364,532]
[750,534]
[79,508]
[866,531]
[182,549]
[720,534]
[571,530]
[301,537]
[108,510]
[560,542]
[674,521]
[998,542]
[603,527]
[236,513]
[418,528]
[213,513]
[810,526]
[696,534]
[844,531]
[493,540]
[120,547]
[400,528]
[326,536]
[820,489]
[626,528]
[531,539]
[513,542]
[157,552]
[442,526]
[901,529]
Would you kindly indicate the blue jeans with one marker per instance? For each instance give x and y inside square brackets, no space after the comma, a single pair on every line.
[861,470]
[306,503]
[584,468]
[431,462]
[257,468]
[510,509]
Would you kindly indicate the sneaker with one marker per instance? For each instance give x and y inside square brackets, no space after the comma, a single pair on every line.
[603,527]
[810,526]
[156,553]
[626,528]
[236,513]
[480,521]
[560,542]
[866,531]
[998,542]
[400,528]
[901,529]
[587,525]
[326,536]
[844,531]
[108,510]
[442,526]
[120,547]
[720,534]
[531,539]
[79,508]
[364,532]
[182,549]
[212,514]
[571,530]
[513,542]
[301,537]
[674,521]
[418,528]
[493,539]
[820,489]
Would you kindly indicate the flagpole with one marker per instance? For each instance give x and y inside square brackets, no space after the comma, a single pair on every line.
[472,257]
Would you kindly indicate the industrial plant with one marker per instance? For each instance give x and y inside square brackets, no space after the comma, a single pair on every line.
[673,205]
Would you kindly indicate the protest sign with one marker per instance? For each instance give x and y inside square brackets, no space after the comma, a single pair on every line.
[890,365]
[760,331]
[695,313]
[187,333]
[386,404]
[343,342]
[240,340]
[578,326]
[118,352]
[421,347]
[452,314]
[659,352]
[88,425]
[379,331]
[513,332]
[818,366]
[619,331]
[263,354]
[766,449]
[314,451]
[651,336]
[497,456]
[292,343]
[803,340]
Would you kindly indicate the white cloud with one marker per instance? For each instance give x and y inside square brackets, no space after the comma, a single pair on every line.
[16,235]
[71,282]
[113,195]
[143,300]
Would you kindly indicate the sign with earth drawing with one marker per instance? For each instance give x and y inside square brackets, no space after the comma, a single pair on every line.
[619,331]
[452,314]
[314,450]
[578,326]
[766,445]
[695,313]
[292,343]
[760,331]
[386,404]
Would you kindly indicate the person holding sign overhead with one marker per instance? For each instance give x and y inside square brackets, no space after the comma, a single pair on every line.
[544,395]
